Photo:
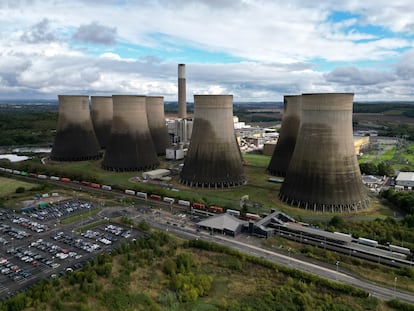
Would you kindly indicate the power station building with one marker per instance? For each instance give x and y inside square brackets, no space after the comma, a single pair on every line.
[75,138]
[101,114]
[323,173]
[130,145]
[213,159]
[156,123]
[285,145]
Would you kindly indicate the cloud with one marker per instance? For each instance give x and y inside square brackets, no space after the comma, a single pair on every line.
[95,33]
[256,50]
[352,75]
[404,68]
[39,33]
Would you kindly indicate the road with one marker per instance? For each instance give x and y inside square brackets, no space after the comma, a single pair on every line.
[375,290]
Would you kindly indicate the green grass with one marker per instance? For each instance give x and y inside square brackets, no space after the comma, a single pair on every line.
[9,186]
[257,160]
[78,217]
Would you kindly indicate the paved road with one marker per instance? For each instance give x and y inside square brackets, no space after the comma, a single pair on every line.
[375,290]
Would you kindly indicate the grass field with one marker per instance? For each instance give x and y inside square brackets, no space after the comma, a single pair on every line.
[258,188]
[9,186]
[402,157]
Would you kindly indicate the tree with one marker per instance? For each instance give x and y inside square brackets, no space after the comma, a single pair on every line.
[336,221]
[368,168]
[20,189]
[385,169]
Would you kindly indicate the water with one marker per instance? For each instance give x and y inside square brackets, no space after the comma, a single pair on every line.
[13,157]
[33,150]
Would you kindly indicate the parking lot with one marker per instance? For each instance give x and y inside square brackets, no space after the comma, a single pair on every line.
[33,247]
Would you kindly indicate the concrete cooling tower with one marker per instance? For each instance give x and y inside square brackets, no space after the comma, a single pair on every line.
[182,97]
[101,113]
[156,123]
[323,173]
[75,138]
[213,159]
[130,145]
[287,139]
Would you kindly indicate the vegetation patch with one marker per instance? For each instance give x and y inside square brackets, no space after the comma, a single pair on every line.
[9,186]
[162,273]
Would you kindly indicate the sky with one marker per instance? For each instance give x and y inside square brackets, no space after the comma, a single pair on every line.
[257,50]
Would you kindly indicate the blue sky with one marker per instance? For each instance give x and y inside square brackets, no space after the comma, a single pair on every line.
[257,50]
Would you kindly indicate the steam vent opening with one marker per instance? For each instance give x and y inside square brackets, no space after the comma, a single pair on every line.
[213,159]
[323,173]
[130,146]
[75,138]
[288,133]
[101,114]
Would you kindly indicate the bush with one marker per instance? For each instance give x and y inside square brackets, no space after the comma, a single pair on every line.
[20,189]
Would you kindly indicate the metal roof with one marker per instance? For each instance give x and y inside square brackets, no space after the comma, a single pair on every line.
[222,222]
[322,233]
[405,176]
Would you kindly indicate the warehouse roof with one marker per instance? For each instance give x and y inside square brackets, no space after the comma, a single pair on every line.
[222,222]
[405,176]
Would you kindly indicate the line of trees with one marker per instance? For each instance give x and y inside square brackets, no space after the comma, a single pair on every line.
[382,169]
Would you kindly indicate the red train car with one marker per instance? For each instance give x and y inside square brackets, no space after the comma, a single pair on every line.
[155,197]
[199,206]
[215,209]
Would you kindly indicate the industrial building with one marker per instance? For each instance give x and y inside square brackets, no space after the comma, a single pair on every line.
[130,145]
[283,151]
[405,179]
[360,143]
[101,114]
[156,123]
[180,130]
[214,159]
[75,138]
[323,173]
[223,224]
[156,174]
[176,153]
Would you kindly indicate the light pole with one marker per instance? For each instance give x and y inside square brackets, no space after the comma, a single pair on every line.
[289,251]
[337,266]
[395,286]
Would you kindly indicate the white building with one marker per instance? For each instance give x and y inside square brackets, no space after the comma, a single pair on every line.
[405,179]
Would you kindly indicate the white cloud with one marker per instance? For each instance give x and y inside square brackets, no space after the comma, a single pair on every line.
[285,47]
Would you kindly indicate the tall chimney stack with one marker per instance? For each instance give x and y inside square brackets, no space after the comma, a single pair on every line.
[182,99]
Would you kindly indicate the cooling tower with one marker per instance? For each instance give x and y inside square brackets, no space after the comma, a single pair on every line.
[130,145]
[101,113]
[75,137]
[182,100]
[287,139]
[213,158]
[156,123]
[323,173]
